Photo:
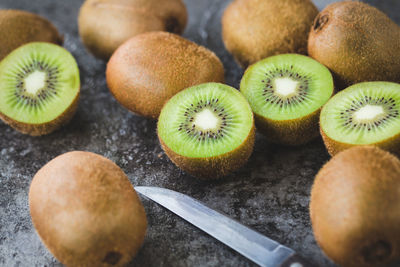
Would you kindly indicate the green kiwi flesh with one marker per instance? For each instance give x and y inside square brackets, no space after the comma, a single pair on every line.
[363,114]
[286,93]
[354,208]
[19,27]
[207,130]
[39,88]
[357,42]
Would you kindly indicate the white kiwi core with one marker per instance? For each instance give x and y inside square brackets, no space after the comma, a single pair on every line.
[35,81]
[285,87]
[206,120]
[369,113]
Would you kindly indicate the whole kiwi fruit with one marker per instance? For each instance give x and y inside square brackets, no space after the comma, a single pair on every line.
[19,27]
[256,29]
[357,42]
[355,208]
[86,211]
[150,68]
[105,24]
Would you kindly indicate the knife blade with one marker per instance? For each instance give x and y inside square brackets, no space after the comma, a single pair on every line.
[251,244]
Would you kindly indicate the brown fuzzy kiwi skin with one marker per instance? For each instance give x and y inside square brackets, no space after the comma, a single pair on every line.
[122,19]
[43,128]
[86,211]
[255,29]
[19,27]
[357,42]
[355,210]
[150,68]
[392,144]
[290,132]
[214,167]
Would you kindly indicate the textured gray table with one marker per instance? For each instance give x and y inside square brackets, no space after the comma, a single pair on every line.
[270,194]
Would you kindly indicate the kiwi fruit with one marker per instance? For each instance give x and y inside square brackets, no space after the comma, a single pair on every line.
[357,42]
[19,27]
[207,130]
[355,208]
[150,68]
[86,211]
[255,29]
[39,88]
[105,24]
[363,114]
[286,93]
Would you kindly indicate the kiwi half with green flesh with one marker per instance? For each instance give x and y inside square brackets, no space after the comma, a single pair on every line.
[357,42]
[150,68]
[207,130]
[364,114]
[354,208]
[121,20]
[19,27]
[39,88]
[255,29]
[286,93]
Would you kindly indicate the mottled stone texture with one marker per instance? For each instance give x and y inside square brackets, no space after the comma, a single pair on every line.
[270,194]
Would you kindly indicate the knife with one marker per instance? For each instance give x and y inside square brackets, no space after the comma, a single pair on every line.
[251,244]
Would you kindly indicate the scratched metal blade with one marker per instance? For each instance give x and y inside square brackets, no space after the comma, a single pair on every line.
[254,246]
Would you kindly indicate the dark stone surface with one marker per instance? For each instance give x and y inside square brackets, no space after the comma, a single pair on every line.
[270,194]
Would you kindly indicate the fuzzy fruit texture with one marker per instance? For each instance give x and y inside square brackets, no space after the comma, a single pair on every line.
[152,67]
[355,208]
[255,29]
[357,42]
[86,211]
[20,27]
[105,24]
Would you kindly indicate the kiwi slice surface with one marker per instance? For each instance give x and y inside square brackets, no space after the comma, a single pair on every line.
[286,93]
[207,130]
[365,113]
[205,121]
[287,86]
[38,83]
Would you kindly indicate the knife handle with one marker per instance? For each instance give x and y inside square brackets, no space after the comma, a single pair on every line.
[296,261]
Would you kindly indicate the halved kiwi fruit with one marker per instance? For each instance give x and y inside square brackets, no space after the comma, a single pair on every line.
[363,114]
[39,88]
[355,208]
[207,130]
[19,27]
[286,93]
